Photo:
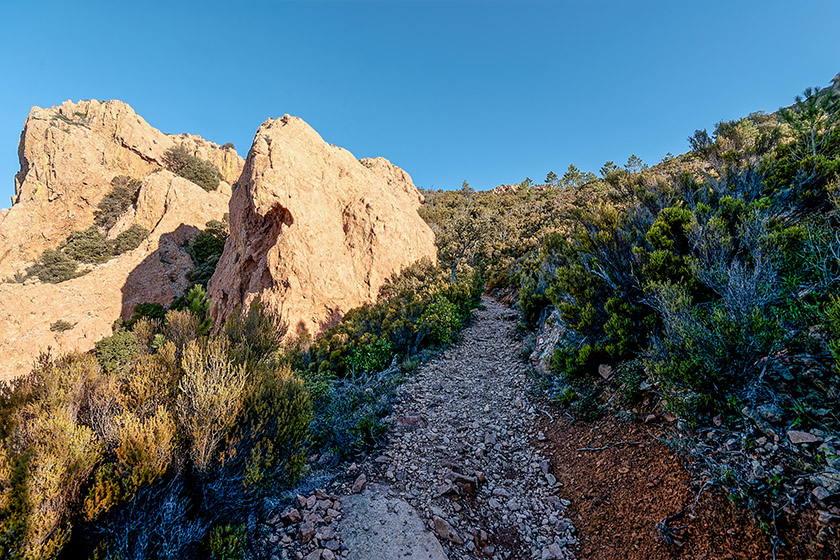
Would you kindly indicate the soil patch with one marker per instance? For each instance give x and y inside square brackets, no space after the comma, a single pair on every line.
[622,495]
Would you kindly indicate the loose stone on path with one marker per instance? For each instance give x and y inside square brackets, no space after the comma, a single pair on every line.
[461,457]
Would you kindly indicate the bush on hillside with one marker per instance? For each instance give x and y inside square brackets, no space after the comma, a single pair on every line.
[121,197]
[201,172]
[128,240]
[54,266]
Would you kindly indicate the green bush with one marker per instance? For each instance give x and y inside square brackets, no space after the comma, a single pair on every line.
[116,351]
[441,319]
[54,266]
[201,172]
[61,325]
[272,432]
[129,239]
[88,246]
[229,542]
[121,197]
[370,356]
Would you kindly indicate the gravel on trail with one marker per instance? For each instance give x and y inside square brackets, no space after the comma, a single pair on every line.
[460,477]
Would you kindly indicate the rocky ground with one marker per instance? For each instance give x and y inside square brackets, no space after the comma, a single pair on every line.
[478,465]
[461,476]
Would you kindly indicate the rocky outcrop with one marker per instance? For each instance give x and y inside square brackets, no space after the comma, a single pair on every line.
[68,156]
[174,209]
[315,232]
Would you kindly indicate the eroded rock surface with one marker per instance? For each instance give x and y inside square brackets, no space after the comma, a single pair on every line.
[315,232]
[68,156]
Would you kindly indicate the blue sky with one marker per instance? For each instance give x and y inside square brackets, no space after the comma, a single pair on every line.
[486,91]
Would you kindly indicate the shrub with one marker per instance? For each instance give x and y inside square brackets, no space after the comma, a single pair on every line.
[254,335]
[88,246]
[144,449]
[440,319]
[180,328]
[229,542]
[116,351]
[61,325]
[145,310]
[59,459]
[151,382]
[272,433]
[123,194]
[370,356]
[54,266]
[210,397]
[201,172]
[129,239]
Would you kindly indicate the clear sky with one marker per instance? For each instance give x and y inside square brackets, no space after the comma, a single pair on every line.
[486,91]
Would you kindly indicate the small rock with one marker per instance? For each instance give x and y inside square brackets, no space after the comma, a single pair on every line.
[541,436]
[359,484]
[771,413]
[291,515]
[445,531]
[550,479]
[820,493]
[800,438]
[307,531]
[314,555]
[553,552]
[327,554]
[650,418]
[605,371]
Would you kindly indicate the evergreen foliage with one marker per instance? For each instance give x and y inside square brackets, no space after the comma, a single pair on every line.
[200,171]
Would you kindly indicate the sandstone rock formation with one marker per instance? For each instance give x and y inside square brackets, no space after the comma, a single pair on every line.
[174,209]
[69,154]
[315,232]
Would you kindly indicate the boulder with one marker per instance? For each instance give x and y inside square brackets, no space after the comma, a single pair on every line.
[315,232]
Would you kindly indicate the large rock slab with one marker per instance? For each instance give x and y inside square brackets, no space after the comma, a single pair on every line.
[314,231]
[378,526]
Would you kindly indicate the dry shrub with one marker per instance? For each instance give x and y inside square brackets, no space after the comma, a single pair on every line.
[152,382]
[210,397]
[145,448]
[60,457]
[181,327]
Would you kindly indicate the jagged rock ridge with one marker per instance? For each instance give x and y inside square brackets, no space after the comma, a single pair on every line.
[315,232]
[69,155]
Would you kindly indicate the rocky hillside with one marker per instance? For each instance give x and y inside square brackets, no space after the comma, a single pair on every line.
[70,157]
[316,232]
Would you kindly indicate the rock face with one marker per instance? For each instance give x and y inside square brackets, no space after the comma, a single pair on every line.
[314,231]
[69,154]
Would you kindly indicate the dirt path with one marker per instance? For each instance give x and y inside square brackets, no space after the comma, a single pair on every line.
[462,455]
[468,473]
